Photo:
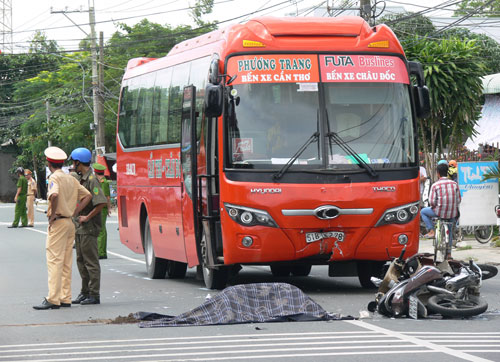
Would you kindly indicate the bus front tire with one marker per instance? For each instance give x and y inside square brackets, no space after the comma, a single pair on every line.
[156,267]
[176,269]
[214,278]
[368,269]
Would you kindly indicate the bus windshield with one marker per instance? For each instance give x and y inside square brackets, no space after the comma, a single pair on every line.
[272,121]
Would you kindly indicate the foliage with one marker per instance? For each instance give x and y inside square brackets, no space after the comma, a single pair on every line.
[452,74]
[489,49]
[408,24]
[484,8]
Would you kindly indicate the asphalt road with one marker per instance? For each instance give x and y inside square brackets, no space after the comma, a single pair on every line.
[88,332]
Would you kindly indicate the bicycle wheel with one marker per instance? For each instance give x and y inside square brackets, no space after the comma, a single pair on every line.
[440,242]
[483,233]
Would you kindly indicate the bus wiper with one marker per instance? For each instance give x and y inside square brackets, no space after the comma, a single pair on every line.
[314,137]
[347,149]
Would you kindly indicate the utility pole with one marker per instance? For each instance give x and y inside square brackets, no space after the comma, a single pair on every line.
[95,80]
[365,10]
[101,127]
[47,109]
[98,142]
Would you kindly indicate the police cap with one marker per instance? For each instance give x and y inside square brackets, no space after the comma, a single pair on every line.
[55,155]
[98,168]
[27,172]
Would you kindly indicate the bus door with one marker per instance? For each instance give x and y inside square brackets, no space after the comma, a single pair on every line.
[189,151]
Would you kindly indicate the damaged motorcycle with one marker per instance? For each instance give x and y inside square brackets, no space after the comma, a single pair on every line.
[416,288]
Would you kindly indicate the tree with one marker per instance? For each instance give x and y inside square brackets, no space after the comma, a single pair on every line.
[478,8]
[408,24]
[489,49]
[452,73]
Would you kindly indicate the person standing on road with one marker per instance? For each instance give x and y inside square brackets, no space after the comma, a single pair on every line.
[88,226]
[30,200]
[20,200]
[444,200]
[103,236]
[66,199]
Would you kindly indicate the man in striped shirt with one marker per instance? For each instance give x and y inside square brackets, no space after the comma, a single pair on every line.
[444,200]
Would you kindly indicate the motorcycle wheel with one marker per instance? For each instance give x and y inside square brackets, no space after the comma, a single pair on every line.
[488,271]
[452,307]
[483,234]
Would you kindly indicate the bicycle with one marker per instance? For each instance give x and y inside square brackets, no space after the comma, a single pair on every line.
[443,239]
[482,233]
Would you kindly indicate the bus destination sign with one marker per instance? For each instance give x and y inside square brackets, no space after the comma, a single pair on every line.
[363,68]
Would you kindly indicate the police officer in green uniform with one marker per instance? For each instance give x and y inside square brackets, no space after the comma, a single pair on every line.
[103,236]
[20,200]
[88,226]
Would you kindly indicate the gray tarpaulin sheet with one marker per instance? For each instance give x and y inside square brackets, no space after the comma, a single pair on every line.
[248,303]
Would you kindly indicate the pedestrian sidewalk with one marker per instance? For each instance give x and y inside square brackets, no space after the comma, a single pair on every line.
[480,253]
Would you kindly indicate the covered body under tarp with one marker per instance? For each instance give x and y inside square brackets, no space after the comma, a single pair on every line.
[248,303]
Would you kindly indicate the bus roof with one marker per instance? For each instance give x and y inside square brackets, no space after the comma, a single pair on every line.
[265,34]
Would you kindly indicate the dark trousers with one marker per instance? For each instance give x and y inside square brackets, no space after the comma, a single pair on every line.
[87,259]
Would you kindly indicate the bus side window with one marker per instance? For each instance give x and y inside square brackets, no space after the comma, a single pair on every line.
[160,106]
[145,110]
[179,81]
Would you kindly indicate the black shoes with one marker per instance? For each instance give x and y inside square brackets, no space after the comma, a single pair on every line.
[79,299]
[12,227]
[103,256]
[45,305]
[90,300]
[65,305]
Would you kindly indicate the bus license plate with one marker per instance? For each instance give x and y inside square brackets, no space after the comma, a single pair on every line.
[312,237]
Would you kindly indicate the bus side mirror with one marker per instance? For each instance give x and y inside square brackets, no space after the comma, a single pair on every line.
[213,100]
[422,101]
[420,91]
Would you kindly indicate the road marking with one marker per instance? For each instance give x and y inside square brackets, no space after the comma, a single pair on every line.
[417,341]
[109,252]
[126,257]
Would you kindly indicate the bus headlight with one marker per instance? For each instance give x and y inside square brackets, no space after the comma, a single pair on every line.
[399,215]
[247,216]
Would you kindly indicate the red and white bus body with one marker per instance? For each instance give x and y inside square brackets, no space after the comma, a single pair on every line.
[297,79]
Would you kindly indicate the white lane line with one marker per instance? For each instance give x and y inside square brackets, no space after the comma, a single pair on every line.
[210,344]
[246,353]
[126,257]
[417,341]
[190,338]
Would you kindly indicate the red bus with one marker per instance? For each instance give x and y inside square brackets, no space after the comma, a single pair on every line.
[287,142]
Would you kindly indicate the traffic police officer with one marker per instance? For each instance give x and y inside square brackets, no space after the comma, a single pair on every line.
[20,200]
[103,236]
[88,226]
[66,199]
[30,201]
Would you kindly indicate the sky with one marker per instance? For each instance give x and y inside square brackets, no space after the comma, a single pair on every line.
[31,15]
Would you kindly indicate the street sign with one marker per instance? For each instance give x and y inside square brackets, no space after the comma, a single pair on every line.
[478,197]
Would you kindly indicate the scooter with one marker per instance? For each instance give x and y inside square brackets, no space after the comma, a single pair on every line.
[417,288]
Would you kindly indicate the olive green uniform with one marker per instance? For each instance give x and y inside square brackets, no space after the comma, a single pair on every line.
[20,211]
[87,256]
[102,239]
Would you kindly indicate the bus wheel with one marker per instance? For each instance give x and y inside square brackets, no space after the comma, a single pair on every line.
[176,269]
[368,269]
[213,278]
[156,267]
[301,270]
[281,270]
